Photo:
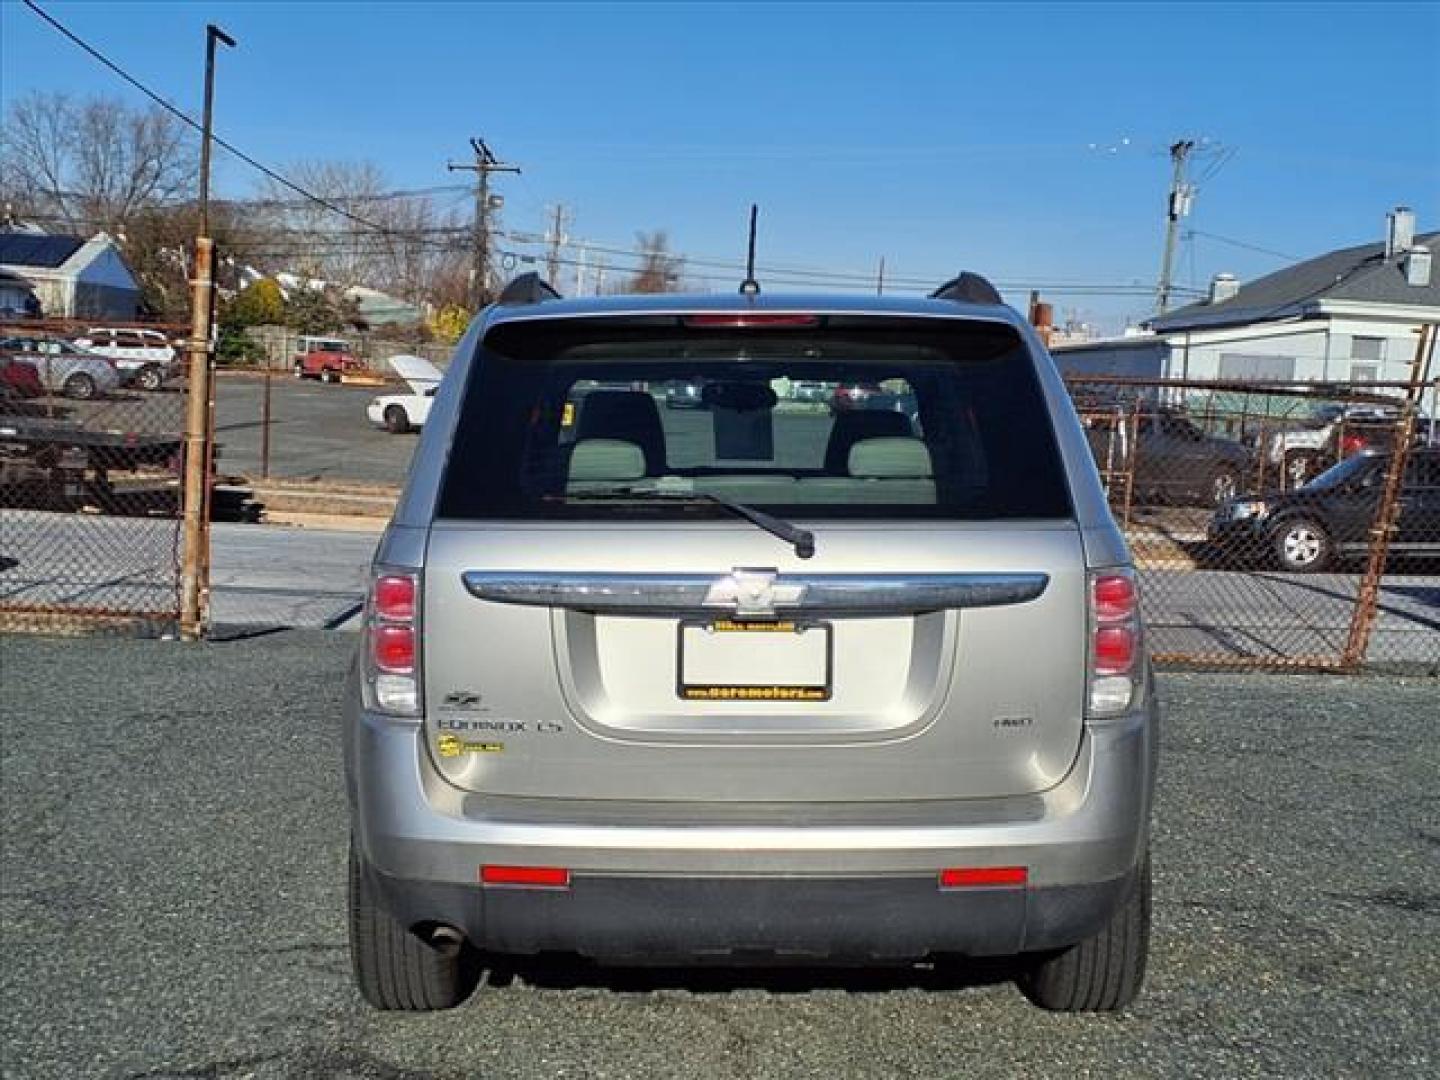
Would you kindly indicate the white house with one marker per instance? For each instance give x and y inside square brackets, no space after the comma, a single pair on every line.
[1345,316]
[72,277]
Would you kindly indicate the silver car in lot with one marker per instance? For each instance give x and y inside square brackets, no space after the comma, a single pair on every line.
[64,368]
[751,684]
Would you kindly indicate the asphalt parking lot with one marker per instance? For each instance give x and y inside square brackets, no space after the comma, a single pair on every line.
[317,432]
[171,902]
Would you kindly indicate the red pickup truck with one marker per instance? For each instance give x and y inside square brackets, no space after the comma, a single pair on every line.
[325,359]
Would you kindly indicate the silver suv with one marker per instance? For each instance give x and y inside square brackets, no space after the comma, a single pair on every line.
[755,682]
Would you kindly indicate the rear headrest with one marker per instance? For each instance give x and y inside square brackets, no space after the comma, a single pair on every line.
[891,459]
[606,459]
[625,414]
[851,427]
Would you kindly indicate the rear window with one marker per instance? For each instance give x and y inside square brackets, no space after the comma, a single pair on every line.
[854,418]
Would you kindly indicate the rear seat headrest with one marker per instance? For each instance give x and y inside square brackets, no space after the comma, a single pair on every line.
[606,459]
[894,458]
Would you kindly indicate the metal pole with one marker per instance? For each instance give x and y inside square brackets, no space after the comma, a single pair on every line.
[265,426]
[194,577]
[1362,622]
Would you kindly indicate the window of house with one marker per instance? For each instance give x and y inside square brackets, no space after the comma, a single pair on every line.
[1262,367]
[1366,356]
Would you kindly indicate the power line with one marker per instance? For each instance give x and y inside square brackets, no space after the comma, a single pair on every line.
[185,117]
[1243,244]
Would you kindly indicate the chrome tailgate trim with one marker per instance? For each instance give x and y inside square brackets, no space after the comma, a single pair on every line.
[754,593]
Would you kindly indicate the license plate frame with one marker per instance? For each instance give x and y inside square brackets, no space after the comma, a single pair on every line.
[806,688]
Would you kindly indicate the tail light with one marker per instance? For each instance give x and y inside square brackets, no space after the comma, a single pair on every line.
[1115,644]
[1351,444]
[392,643]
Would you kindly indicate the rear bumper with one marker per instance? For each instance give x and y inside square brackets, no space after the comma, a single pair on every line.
[658,919]
[644,883]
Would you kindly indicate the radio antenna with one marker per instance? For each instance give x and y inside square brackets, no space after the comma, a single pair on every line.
[750,287]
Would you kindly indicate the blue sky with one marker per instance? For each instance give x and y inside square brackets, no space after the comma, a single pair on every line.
[1026,141]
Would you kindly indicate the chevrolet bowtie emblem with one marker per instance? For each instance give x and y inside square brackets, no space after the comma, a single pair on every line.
[753,593]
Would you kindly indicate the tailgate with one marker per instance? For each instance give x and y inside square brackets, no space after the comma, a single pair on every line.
[593,662]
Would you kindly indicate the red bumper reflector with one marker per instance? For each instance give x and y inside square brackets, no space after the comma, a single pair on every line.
[966,877]
[549,877]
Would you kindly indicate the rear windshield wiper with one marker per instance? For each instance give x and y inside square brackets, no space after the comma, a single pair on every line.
[802,540]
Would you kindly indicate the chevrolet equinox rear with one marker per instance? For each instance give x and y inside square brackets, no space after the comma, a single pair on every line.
[758,680]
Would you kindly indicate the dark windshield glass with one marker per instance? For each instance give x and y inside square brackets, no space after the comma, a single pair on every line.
[876,418]
[1350,469]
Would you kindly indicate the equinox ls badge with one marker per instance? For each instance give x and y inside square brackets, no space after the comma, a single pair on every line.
[753,593]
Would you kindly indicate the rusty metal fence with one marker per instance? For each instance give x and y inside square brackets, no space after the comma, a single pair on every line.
[1276,525]
[90,447]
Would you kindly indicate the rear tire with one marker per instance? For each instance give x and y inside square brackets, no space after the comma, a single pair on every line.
[149,378]
[397,421]
[80,386]
[327,375]
[1103,973]
[394,969]
[299,370]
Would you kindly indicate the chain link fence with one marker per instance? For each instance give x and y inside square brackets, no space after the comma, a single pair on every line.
[1275,526]
[90,447]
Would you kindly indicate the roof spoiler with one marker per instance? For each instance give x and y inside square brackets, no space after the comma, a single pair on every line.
[528,288]
[968,288]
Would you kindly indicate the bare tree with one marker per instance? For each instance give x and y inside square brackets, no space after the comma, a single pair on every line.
[659,271]
[93,164]
[402,244]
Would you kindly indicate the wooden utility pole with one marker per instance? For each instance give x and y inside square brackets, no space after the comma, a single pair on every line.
[555,237]
[484,164]
[1177,207]
[199,433]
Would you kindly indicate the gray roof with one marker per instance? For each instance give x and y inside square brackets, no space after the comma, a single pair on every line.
[1361,274]
[29,249]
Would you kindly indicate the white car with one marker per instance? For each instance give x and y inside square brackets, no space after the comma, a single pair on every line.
[399,413]
[143,357]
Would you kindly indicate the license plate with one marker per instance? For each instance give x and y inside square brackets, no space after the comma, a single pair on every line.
[754,661]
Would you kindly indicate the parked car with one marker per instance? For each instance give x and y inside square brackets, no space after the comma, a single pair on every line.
[64,368]
[20,379]
[326,359]
[1331,433]
[144,358]
[811,392]
[684,394]
[1171,458]
[400,413]
[640,696]
[851,395]
[1332,516]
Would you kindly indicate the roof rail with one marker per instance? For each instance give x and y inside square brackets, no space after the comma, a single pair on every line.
[968,288]
[528,288]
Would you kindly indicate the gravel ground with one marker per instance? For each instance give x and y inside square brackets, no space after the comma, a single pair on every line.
[172,906]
